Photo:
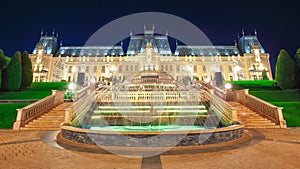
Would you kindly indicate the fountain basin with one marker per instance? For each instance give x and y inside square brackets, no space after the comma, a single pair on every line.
[138,138]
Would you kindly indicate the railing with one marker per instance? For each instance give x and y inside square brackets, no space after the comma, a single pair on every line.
[146,96]
[151,80]
[82,92]
[218,92]
[79,108]
[37,109]
[225,111]
[266,109]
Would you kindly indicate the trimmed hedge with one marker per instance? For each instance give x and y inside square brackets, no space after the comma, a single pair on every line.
[27,74]
[12,75]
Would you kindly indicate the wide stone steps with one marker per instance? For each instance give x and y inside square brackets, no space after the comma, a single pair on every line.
[250,118]
[40,128]
[50,120]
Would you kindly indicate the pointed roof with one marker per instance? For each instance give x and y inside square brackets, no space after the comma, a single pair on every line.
[159,43]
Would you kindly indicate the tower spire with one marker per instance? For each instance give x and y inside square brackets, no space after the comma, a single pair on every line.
[167,33]
[42,32]
[130,33]
[255,32]
[243,33]
[153,27]
[53,32]
[144,26]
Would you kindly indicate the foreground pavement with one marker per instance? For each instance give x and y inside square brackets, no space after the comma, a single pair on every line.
[269,148]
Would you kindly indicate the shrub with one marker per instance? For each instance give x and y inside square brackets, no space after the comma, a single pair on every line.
[27,75]
[12,75]
[286,71]
[264,75]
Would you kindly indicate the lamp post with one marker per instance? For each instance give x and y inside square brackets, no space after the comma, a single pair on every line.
[72,86]
[228,87]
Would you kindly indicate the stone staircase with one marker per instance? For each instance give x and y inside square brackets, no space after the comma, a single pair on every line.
[251,118]
[50,120]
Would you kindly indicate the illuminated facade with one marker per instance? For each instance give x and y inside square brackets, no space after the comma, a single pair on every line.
[245,60]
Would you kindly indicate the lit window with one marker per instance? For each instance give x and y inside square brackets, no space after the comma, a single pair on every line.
[178,69]
[204,69]
[95,69]
[230,68]
[120,69]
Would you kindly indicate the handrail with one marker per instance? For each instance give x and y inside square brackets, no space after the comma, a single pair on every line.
[219,92]
[79,108]
[37,109]
[225,111]
[82,92]
[264,108]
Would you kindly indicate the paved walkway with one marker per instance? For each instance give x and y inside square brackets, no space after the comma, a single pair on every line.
[270,148]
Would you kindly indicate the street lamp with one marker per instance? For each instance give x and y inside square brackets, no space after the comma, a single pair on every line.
[206,80]
[72,86]
[228,86]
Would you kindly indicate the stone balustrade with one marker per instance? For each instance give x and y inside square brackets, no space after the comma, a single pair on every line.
[82,92]
[80,107]
[219,92]
[37,109]
[146,96]
[226,111]
[151,80]
[266,109]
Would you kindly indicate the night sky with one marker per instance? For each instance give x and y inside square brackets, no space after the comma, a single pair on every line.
[277,23]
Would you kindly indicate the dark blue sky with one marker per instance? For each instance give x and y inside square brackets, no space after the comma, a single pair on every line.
[277,23]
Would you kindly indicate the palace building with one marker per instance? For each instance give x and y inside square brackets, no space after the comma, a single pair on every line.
[245,60]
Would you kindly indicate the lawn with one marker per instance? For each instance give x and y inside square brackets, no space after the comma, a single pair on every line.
[255,85]
[288,99]
[8,113]
[291,112]
[38,90]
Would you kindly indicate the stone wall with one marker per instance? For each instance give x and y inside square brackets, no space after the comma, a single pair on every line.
[153,140]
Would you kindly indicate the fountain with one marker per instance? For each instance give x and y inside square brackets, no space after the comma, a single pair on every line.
[151,110]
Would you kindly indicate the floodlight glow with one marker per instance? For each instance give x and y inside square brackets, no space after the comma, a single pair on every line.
[228,86]
[113,68]
[72,86]
[93,80]
[74,69]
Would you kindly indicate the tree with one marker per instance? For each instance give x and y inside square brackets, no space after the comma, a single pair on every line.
[264,75]
[0,79]
[4,60]
[12,75]
[286,70]
[297,58]
[26,70]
